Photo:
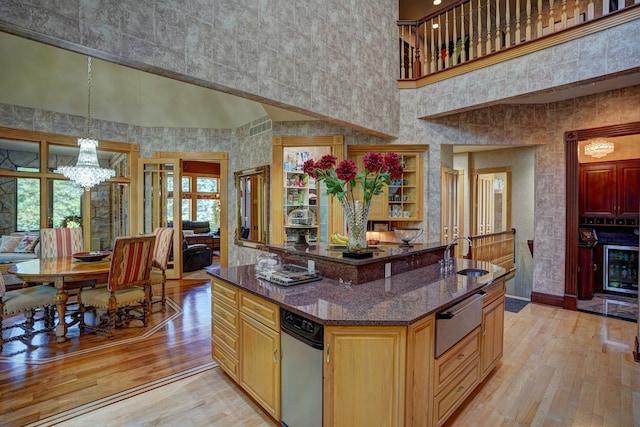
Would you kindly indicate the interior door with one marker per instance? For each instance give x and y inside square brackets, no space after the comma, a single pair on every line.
[484,204]
[452,208]
[158,188]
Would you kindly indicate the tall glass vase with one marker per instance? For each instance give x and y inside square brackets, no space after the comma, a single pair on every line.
[357,214]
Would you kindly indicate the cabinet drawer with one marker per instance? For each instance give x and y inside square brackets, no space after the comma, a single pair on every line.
[224,315]
[229,341]
[224,292]
[450,363]
[493,292]
[228,363]
[456,392]
[263,311]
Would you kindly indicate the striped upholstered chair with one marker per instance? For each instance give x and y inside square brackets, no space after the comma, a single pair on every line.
[161,253]
[127,295]
[60,242]
[25,301]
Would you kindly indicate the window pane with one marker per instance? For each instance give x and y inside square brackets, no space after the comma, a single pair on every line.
[19,155]
[27,195]
[186,211]
[65,205]
[207,185]
[186,184]
[209,210]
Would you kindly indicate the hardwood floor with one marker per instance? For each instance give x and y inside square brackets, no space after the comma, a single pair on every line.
[560,368]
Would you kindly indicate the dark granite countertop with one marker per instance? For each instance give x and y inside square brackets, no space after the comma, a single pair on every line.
[386,251]
[398,300]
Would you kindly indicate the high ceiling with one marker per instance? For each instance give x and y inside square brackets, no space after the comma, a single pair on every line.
[40,76]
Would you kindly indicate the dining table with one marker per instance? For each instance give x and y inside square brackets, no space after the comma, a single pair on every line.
[65,273]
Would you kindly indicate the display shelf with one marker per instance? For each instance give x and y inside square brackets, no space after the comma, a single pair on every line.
[401,200]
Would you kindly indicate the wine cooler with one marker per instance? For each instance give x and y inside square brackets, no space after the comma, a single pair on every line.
[621,269]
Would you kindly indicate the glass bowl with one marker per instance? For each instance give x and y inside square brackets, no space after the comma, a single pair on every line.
[407,235]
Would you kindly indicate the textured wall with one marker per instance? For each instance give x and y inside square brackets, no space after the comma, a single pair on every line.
[607,52]
[332,59]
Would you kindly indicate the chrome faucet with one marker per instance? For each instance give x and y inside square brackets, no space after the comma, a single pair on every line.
[447,257]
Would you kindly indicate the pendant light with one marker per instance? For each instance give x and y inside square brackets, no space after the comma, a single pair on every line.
[87,171]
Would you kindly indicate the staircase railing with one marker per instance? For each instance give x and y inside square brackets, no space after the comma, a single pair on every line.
[496,248]
[472,29]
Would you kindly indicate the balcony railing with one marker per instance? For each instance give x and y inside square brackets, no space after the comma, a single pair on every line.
[496,248]
[473,29]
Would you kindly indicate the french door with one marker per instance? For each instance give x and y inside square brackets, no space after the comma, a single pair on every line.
[157,193]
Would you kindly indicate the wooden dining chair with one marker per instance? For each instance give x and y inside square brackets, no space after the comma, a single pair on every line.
[161,253]
[26,301]
[127,295]
[60,242]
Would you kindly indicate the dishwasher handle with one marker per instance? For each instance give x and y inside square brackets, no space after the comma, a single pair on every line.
[460,307]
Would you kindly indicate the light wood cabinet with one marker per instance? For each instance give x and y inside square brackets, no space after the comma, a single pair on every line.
[364,370]
[419,392]
[260,364]
[225,322]
[245,338]
[401,200]
[492,326]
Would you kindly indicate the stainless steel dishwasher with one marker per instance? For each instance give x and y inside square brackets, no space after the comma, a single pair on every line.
[301,347]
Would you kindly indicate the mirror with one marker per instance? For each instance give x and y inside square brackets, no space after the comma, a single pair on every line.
[252,189]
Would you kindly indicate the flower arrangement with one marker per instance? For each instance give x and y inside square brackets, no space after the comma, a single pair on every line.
[341,180]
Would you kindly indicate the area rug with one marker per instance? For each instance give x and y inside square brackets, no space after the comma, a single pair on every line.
[42,348]
[514,305]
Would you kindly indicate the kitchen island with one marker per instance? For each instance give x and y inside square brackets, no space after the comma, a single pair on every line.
[380,366]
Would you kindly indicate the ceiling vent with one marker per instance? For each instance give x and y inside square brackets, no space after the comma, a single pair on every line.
[260,128]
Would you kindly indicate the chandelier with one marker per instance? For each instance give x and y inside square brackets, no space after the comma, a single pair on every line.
[87,171]
[598,148]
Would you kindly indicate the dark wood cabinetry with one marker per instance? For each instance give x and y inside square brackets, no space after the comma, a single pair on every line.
[586,273]
[610,193]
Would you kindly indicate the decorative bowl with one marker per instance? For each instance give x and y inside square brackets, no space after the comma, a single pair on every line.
[91,256]
[407,235]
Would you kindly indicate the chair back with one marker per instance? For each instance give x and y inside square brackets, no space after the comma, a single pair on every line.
[131,261]
[60,242]
[162,248]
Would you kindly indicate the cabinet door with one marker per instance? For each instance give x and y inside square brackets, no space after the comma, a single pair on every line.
[628,190]
[420,341]
[364,381]
[260,364]
[492,335]
[597,190]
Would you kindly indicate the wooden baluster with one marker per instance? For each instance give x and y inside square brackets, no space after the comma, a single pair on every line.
[539,32]
[440,60]
[563,16]
[507,19]
[498,24]
[410,60]
[471,39]
[455,38]
[488,27]
[433,50]
[402,62]
[591,9]
[552,22]
[527,30]
[446,40]
[518,36]
[605,8]
[576,12]
[417,69]
[479,52]
[463,54]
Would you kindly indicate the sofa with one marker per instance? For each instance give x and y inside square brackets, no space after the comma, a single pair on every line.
[199,232]
[17,247]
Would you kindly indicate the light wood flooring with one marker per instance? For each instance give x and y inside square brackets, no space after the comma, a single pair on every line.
[560,368]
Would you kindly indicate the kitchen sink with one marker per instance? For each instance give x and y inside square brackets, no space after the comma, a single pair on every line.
[474,272]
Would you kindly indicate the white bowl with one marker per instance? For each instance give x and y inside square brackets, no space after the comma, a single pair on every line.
[407,234]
